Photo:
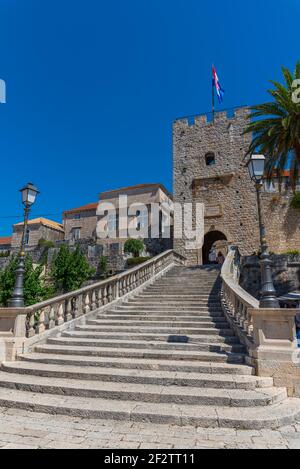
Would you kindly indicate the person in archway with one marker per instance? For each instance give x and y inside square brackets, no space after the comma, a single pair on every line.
[220,258]
[212,256]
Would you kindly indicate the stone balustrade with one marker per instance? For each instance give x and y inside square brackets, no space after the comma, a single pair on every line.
[236,302]
[32,321]
[269,335]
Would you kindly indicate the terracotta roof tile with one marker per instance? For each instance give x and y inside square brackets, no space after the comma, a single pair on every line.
[138,186]
[5,240]
[83,208]
[45,222]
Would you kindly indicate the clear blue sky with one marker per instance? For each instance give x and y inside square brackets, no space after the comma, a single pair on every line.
[93,86]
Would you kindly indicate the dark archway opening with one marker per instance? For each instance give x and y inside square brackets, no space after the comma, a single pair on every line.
[213,239]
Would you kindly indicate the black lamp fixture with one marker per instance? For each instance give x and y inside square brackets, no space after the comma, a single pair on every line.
[29,194]
[256,167]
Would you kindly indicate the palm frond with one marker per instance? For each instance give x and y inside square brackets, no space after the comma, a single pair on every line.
[275,128]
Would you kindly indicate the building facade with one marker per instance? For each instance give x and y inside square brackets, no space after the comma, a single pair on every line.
[142,198]
[37,229]
[209,168]
[5,244]
[80,223]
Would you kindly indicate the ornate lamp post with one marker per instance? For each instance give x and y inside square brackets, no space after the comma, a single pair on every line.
[29,193]
[256,167]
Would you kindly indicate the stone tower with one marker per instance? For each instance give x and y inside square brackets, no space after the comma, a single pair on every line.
[209,168]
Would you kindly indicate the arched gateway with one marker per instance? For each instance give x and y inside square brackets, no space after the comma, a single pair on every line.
[213,238]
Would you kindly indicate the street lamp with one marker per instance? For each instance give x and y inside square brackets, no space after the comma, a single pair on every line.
[256,167]
[29,193]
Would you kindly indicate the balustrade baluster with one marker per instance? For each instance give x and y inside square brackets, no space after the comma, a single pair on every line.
[40,326]
[94,300]
[105,296]
[51,324]
[68,315]
[30,325]
[60,315]
[100,299]
[87,308]
[75,307]
[110,294]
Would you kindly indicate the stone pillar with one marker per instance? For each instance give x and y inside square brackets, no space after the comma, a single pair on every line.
[12,332]
[275,352]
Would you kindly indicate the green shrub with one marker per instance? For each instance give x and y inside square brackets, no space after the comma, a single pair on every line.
[35,289]
[136,261]
[103,266]
[295,202]
[44,243]
[292,253]
[70,269]
[5,254]
[134,247]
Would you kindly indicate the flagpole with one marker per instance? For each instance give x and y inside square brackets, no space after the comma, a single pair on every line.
[213,98]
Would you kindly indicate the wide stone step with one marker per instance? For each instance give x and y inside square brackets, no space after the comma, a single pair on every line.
[123,363]
[150,297]
[132,317]
[156,377]
[166,307]
[169,338]
[143,392]
[120,327]
[284,413]
[176,300]
[206,328]
[140,344]
[165,316]
[173,304]
[149,322]
[145,317]
[225,356]
[180,288]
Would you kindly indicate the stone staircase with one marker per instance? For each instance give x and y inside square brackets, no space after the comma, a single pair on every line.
[166,355]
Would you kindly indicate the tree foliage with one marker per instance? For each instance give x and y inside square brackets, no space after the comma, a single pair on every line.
[276,127]
[295,202]
[137,261]
[103,265]
[134,247]
[70,269]
[35,289]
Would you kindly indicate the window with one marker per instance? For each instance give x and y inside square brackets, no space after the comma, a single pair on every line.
[77,216]
[143,218]
[112,222]
[76,234]
[210,159]
[26,240]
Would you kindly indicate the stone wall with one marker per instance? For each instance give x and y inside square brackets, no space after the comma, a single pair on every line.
[86,221]
[36,232]
[286,274]
[282,222]
[225,187]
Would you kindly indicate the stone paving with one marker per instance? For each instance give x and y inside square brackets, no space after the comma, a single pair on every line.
[23,429]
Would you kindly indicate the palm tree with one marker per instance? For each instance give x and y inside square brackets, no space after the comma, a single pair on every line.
[276,127]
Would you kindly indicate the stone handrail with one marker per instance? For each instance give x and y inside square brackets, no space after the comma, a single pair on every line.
[236,302]
[56,311]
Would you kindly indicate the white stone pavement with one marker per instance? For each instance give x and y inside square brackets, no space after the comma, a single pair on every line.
[23,429]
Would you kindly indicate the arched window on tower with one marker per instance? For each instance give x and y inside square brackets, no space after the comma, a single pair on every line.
[210,159]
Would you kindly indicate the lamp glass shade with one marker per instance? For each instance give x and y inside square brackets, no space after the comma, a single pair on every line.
[29,194]
[256,167]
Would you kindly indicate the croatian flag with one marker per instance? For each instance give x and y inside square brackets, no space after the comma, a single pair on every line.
[216,83]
